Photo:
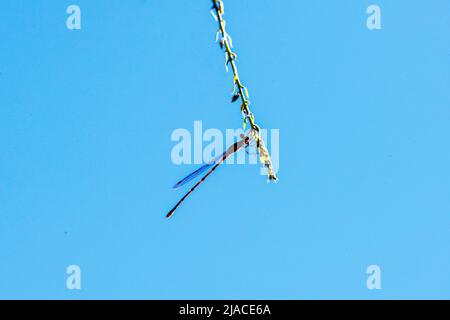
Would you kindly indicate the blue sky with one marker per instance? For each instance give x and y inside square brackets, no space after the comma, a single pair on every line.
[86,118]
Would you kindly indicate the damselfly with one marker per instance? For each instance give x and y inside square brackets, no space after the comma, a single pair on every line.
[212,165]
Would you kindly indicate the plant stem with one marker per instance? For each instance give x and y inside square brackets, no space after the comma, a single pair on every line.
[245,107]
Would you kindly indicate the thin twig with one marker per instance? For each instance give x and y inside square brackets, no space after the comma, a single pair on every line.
[230,57]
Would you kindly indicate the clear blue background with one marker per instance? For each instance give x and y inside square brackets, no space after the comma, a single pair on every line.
[86,174]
